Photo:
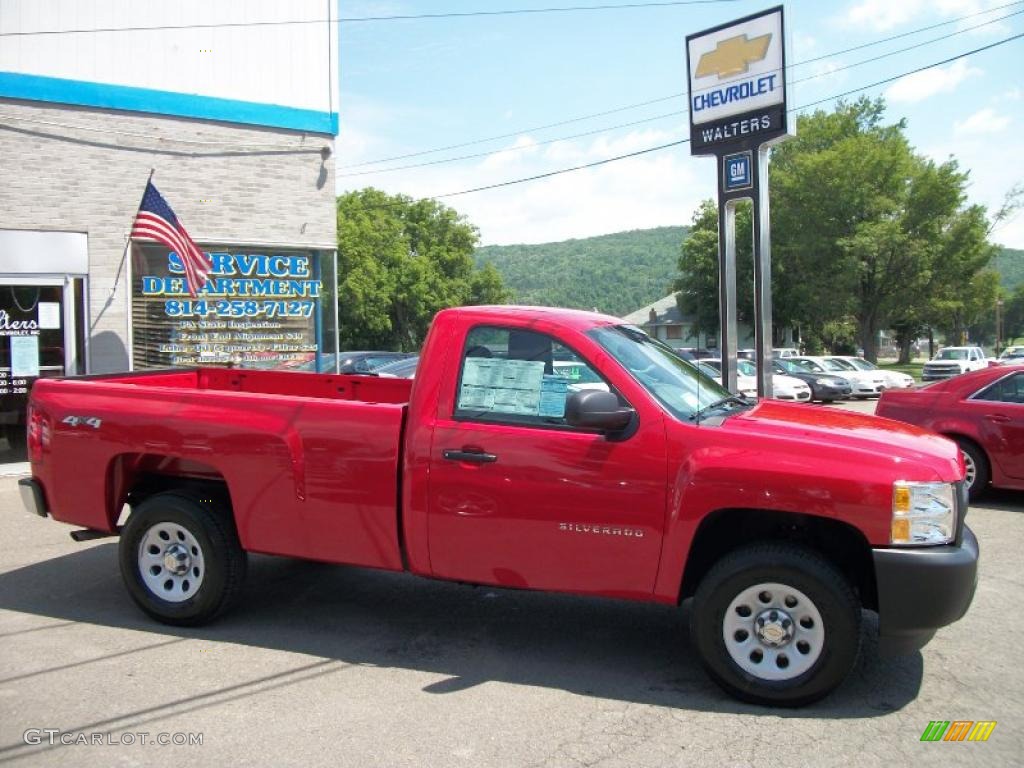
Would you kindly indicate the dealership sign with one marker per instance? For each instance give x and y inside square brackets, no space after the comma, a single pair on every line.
[737,76]
[737,83]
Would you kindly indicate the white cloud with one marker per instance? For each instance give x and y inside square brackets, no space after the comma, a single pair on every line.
[983,121]
[804,45]
[990,176]
[524,146]
[922,85]
[882,15]
[656,189]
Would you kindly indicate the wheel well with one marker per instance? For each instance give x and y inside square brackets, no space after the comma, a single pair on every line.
[725,530]
[956,436]
[136,477]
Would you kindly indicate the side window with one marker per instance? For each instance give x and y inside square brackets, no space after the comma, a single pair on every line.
[1008,390]
[518,376]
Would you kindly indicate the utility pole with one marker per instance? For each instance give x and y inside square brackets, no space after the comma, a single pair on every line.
[999,326]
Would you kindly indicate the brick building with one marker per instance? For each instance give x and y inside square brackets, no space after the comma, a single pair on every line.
[236,122]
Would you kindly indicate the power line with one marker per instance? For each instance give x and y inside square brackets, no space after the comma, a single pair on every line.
[679,142]
[677,95]
[362,19]
[676,113]
[515,149]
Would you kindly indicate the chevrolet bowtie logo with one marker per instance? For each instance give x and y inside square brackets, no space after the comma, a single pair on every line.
[733,56]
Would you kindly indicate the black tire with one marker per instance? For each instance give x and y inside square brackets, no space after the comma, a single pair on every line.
[797,569]
[973,454]
[207,527]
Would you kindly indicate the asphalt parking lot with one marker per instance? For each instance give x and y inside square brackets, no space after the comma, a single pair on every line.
[326,664]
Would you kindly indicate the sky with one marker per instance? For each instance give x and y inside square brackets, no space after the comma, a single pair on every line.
[409,87]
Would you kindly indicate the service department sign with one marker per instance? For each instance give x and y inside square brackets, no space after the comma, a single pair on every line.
[737,83]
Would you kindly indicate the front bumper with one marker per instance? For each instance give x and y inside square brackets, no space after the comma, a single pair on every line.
[938,374]
[829,392]
[922,589]
[33,497]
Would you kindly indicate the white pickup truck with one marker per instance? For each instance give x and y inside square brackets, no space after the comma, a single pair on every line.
[952,361]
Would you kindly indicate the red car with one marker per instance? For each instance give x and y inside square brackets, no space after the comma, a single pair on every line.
[983,411]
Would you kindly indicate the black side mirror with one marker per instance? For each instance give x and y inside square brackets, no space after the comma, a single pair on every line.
[597,409]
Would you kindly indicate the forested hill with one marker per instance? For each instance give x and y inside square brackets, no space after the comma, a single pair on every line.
[1010,265]
[615,273]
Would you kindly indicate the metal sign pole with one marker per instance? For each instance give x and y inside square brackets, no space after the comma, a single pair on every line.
[737,100]
[727,338]
[762,276]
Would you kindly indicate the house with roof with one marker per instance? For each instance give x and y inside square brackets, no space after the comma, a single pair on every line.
[663,320]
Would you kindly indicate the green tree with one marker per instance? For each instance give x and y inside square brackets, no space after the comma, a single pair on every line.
[862,228]
[697,285]
[401,260]
[1013,315]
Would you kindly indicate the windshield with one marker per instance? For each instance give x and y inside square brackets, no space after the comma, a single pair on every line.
[844,365]
[673,382]
[951,354]
[746,368]
[833,365]
[792,367]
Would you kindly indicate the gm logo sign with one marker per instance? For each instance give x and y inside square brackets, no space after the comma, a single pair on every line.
[737,172]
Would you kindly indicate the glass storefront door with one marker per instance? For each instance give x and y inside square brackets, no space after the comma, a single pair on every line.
[39,338]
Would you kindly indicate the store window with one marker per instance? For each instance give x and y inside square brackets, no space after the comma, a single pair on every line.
[39,338]
[260,308]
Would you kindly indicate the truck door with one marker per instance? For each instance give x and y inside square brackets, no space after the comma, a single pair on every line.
[518,498]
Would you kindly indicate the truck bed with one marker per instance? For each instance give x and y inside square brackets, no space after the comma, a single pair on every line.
[370,389]
[311,460]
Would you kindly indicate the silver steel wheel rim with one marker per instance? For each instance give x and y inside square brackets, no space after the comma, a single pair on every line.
[773,631]
[970,469]
[171,562]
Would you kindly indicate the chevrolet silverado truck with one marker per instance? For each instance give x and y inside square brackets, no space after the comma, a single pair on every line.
[540,449]
[952,361]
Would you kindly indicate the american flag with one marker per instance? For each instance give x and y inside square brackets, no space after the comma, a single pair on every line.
[155,221]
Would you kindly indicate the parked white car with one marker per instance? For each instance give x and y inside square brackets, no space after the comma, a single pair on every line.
[893,379]
[783,387]
[862,383]
[952,361]
[1010,356]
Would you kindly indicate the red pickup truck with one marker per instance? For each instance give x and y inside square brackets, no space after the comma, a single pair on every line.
[535,449]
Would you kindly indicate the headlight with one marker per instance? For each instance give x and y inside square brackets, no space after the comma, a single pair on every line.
[922,513]
[825,382]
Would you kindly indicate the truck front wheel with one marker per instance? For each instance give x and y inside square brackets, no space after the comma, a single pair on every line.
[776,624]
[180,559]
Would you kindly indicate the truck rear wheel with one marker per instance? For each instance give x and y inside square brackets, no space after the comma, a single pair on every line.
[180,559]
[776,624]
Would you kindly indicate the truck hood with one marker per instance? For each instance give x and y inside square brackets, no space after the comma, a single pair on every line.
[915,452]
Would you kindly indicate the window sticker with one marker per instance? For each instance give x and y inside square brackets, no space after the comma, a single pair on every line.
[501,386]
[553,392]
[24,356]
[49,314]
